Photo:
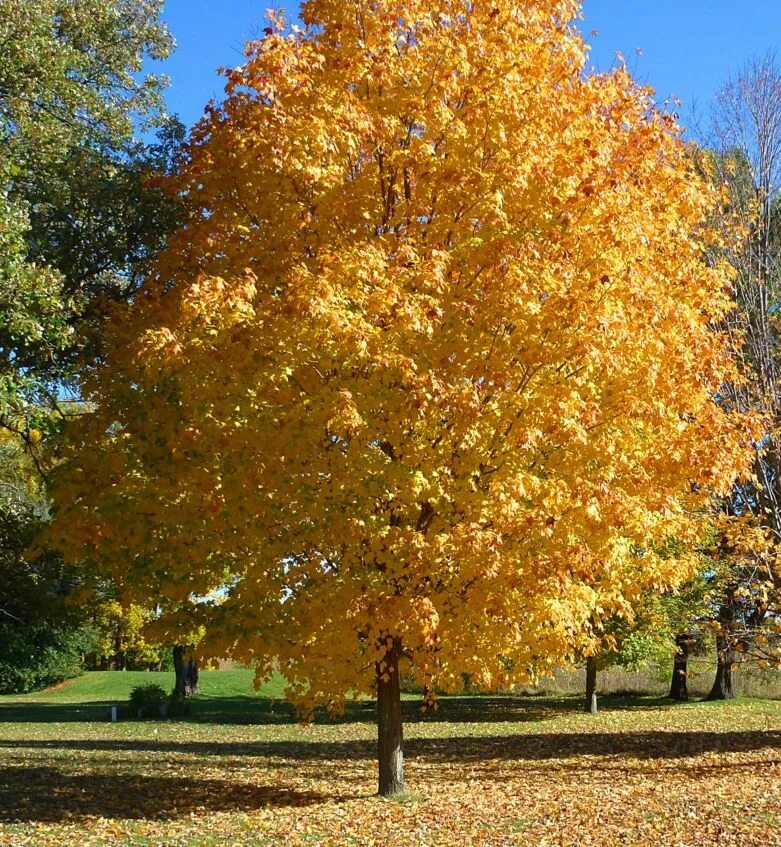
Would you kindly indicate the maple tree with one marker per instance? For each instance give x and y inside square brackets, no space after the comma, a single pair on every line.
[431,365]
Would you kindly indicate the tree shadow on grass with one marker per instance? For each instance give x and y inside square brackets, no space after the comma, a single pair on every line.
[249,710]
[46,794]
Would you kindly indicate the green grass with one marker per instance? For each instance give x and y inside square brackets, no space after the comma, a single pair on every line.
[116,685]
[228,694]
[229,697]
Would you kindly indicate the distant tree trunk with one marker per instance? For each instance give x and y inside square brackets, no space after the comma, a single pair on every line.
[724,686]
[591,686]
[678,687]
[193,675]
[120,660]
[389,726]
[186,672]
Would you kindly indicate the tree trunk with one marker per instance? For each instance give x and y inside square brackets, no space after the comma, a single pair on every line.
[178,653]
[591,686]
[186,672]
[192,676]
[389,726]
[117,652]
[678,687]
[724,686]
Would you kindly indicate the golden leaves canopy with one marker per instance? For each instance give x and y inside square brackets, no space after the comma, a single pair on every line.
[433,360]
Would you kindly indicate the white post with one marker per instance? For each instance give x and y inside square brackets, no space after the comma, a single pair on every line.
[113,714]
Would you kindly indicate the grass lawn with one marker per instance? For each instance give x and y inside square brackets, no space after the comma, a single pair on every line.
[484,771]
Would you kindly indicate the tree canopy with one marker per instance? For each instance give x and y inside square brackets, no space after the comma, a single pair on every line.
[78,212]
[431,366]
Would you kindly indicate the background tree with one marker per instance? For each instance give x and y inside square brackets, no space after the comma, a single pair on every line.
[42,638]
[185,670]
[430,368]
[659,625]
[119,638]
[745,139]
[744,600]
[685,616]
[79,212]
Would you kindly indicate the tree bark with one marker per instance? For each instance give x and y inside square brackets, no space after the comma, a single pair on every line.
[591,686]
[186,672]
[724,686]
[120,659]
[179,684]
[191,684]
[389,726]
[679,689]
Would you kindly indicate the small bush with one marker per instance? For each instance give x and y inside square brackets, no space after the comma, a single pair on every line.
[146,700]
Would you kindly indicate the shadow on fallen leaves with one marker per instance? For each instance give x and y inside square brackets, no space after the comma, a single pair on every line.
[33,790]
[522,747]
[48,794]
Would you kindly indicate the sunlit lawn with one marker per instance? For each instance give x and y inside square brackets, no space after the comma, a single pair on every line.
[483,770]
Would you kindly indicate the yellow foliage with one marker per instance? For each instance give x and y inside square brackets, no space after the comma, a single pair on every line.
[433,361]
[120,633]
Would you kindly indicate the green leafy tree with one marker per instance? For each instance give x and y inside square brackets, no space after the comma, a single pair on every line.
[664,626]
[629,643]
[79,208]
[42,636]
[80,213]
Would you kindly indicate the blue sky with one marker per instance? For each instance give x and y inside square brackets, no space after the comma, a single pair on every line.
[688,46]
